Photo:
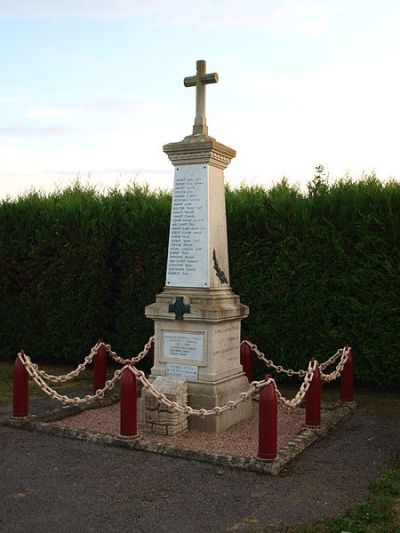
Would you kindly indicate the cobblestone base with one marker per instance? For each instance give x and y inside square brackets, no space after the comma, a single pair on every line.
[334,413]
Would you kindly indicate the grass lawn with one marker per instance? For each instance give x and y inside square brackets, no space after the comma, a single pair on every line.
[380,514]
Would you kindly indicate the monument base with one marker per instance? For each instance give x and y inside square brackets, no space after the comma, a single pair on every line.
[207,395]
[202,347]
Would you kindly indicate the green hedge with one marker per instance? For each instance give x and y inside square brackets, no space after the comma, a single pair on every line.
[317,269]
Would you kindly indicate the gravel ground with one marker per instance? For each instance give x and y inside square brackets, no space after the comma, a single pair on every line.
[240,440]
[52,484]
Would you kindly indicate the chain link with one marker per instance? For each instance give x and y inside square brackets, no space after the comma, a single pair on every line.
[39,377]
[343,353]
[332,359]
[133,360]
[74,373]
[255,386]
[339,368]
[89,358]
[296,401]
[65,400]
[161,398]
[270,363]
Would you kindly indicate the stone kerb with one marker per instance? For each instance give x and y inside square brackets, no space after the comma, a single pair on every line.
[334,413]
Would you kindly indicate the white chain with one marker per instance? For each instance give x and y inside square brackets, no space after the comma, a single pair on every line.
[332,359]
[343,353]
[339,368]
[270,363]
[89,358]
[255,386]
[65,400]
[296,401]
[186,409]
[74,373]
[161,398]
[133,360]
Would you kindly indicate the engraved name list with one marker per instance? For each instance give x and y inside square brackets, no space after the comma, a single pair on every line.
[188,255]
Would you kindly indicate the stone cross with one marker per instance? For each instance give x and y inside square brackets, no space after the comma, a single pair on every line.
[200,81]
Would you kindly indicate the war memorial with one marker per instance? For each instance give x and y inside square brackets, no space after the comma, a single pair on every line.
[197,317]
[200,378]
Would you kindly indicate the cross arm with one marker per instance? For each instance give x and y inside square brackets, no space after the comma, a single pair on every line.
[191,81]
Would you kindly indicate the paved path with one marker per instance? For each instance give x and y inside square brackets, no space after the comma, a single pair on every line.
[49,484]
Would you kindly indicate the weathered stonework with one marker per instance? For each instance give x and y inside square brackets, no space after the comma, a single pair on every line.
[199,149]
[159,419]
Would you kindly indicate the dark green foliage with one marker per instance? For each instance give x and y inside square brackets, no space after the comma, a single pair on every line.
[141,248]
[328,267]
[77,266]
[54,277]
[317,270]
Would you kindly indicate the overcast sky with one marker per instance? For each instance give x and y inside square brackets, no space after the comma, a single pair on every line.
[94,88]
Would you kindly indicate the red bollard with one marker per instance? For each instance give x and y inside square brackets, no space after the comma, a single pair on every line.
[245,360]
[20,388]
[347,380]
[100,369]
[313,399]
[128,425]
[268,423]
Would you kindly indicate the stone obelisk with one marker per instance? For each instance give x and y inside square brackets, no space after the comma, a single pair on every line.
[197,316]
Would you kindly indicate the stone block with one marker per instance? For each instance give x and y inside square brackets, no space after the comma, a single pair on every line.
[169,386]
[170,418]
[181,401]
[152,416]
[150,401]
[208,395]
[140,411]
[161,419]
[159,429]
[178,428]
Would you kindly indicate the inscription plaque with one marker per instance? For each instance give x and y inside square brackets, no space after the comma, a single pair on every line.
[188,346]
[227,346]
[188,254]
[182,371]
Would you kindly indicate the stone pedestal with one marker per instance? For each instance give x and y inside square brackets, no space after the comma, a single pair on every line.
[197,317]
[204,350]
